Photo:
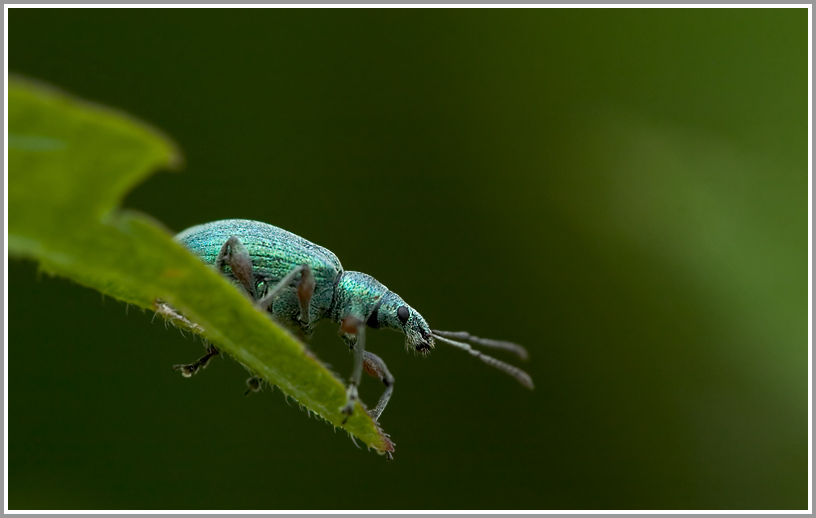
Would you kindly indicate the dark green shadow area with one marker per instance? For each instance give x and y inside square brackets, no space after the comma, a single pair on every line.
[622,191]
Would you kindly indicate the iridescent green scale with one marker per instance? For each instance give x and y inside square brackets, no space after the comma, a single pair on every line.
[274,252]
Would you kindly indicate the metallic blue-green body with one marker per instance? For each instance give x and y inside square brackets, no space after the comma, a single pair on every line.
[276,252]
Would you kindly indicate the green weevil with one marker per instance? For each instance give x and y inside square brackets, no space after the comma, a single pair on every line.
[301,283]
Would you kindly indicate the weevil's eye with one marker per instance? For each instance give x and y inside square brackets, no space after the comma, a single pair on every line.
[403,313]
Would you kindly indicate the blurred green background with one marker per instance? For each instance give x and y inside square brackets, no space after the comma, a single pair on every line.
[623,191]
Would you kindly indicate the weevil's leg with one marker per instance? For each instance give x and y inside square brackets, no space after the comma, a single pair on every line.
[353,325]
[374,366]
[305,290]
[516,349]
[254,384]
[174,317]
[192,368]
[235,254]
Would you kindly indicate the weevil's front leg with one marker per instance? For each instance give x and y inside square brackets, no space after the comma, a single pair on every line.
[192,368]
[305,290]
[354,326]
[235,254]
[375,366]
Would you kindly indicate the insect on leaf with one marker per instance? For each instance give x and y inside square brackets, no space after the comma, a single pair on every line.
[70,164]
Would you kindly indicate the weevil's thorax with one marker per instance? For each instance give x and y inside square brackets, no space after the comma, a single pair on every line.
[356,294]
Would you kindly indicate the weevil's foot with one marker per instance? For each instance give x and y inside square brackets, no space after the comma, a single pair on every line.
[351,398]
[347,409]
[254,384]
[187,370]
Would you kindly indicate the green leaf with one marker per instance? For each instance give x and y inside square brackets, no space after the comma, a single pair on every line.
[70,164]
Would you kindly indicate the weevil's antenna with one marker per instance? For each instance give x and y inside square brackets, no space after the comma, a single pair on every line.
[516,349]
[521,376]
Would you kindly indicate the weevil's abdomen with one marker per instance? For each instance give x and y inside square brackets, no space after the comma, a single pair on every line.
[274,252]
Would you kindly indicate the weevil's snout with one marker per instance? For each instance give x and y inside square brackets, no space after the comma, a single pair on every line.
[394,313]
[425,344]
[418,334]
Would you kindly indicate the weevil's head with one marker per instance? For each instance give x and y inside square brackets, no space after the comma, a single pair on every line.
[393,313]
